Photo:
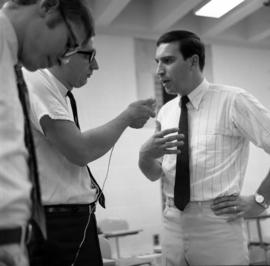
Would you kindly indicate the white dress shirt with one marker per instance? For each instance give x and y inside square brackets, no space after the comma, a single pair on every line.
[222,121]
[15,185]
[62,182]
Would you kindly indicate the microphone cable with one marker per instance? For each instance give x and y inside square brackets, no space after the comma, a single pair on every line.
[91,210]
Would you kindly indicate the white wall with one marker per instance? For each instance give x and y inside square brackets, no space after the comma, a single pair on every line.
[129,194]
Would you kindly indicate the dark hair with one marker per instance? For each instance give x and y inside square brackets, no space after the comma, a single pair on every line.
[189,44]
[78,12]
[74,10]
[24,2]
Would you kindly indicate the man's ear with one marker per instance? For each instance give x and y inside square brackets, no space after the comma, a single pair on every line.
[49,10]
[194,60]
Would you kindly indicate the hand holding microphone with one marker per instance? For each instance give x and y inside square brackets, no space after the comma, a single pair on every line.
[140,111]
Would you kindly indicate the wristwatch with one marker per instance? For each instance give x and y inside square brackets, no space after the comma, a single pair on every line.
[261,200]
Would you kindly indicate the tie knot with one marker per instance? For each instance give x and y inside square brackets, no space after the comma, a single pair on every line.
[69,94]
[18,72]
[184,100]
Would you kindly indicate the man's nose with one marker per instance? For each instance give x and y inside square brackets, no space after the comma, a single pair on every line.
[94,64]
[160,71]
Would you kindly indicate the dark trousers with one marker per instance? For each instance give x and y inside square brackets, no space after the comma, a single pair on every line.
[37,247]
[65,232]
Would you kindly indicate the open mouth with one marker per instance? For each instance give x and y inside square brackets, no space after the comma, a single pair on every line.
[165,82]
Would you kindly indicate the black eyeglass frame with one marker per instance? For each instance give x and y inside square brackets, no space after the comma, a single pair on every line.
[91,54]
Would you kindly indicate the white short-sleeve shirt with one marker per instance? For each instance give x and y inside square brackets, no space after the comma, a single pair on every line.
[62,182]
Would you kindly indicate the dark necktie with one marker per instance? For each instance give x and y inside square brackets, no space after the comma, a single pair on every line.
[182,176]
[101,197]
[37,208]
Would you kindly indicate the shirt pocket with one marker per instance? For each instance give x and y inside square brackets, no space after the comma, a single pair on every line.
[213,140]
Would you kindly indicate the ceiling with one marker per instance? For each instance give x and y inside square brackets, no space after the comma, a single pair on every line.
[248,24]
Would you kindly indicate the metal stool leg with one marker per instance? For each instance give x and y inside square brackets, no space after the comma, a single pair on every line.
[117,247]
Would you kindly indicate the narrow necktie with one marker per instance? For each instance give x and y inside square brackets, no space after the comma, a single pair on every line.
[182,176]
[37,208]
[101,197]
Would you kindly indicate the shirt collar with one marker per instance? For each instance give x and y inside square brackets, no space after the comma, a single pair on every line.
[11,36]
[195,97]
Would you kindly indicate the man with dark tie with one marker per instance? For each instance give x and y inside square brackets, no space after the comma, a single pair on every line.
[216,122]
[34,34]
[69,191]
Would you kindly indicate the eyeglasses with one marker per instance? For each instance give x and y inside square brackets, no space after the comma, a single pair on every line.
[91,54]
[71,48]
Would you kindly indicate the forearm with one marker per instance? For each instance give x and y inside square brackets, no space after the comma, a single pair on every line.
[151,168]
[100,140]
[82,148]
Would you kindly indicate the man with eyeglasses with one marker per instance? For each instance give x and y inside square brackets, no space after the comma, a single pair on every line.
[69,191]
[34,34]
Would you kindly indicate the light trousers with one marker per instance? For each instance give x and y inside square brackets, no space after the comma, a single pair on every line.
[196,236]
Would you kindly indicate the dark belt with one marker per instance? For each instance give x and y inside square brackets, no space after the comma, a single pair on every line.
[16,235]
[71,208]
